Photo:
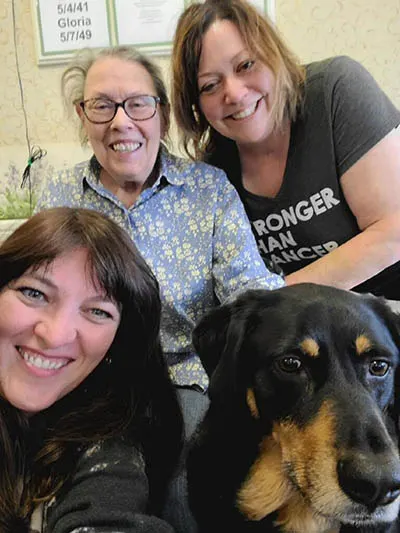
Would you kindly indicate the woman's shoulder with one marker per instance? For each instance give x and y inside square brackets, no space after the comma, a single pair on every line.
[196,173]
[335,63]
[333,69]
[337,82]
[63,186]
[71,176]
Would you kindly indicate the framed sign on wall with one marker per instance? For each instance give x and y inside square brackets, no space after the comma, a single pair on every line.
[64,26]
[148,24]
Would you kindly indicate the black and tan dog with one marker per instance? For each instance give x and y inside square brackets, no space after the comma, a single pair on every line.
[301,434]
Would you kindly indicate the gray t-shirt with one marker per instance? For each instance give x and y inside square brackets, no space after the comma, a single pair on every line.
[345,115]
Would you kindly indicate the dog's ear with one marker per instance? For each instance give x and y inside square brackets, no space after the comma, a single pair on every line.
[389,313]
[209,337]
[217,340]
[219,336]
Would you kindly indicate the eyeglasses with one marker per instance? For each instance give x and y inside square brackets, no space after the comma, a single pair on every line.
[102,110]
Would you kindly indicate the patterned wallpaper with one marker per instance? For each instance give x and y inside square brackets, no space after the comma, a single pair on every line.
[367,30]
[363,29]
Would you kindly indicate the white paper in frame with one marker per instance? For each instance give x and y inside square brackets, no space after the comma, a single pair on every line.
[64,26]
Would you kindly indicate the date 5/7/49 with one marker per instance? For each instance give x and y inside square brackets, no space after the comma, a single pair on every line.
[75,35]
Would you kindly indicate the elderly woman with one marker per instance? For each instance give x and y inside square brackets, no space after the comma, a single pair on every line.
[185,217]
[311,149]
[90,424]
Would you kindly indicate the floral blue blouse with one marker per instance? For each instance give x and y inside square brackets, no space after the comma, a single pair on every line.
[192,229]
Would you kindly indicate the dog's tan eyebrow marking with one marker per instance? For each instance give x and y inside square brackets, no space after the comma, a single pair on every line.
[363,344]
[310,347]
[251,402]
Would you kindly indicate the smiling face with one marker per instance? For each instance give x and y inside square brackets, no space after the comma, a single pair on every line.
[236,89]
[55,328]
[126,149]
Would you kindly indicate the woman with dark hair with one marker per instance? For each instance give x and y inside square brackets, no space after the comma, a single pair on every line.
[90,425]
[311,149]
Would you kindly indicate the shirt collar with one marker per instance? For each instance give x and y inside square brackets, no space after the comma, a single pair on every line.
[91,174]
[170,168]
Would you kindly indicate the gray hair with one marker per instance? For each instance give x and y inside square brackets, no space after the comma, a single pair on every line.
[74,77]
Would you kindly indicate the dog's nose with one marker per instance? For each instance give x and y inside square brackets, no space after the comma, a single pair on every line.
[370,482]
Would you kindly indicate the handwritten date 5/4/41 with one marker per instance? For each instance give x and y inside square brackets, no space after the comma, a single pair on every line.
[75,35]
[72,7]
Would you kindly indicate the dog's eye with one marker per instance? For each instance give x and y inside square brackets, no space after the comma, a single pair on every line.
[289,364]
[378,367]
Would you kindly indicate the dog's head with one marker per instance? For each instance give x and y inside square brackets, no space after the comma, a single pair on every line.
[314,368]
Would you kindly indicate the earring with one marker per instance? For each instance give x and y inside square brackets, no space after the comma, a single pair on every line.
[108,360]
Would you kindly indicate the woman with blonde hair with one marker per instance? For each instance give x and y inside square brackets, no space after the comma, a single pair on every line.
[311,149]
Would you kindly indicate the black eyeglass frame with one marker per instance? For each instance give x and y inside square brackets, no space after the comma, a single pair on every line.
[156,99]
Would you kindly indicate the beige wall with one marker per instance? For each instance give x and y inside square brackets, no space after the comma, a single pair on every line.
[368,30]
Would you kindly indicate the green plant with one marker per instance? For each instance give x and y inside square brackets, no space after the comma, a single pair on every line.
[17,204]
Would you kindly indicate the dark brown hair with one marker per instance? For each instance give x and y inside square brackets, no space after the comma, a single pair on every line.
[131,398]
[260,37]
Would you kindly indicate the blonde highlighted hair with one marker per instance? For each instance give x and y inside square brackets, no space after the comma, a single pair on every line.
[260,37]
